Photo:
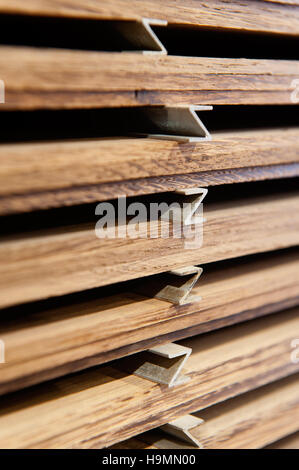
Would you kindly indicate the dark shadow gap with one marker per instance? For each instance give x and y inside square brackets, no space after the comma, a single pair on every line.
[70,305]
[70,218]
[104,35]
[26,126]
[227,43]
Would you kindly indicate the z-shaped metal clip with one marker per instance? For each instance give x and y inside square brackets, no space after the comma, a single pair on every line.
[163,364]
[177,123]
[177,288]
[141,35]
[181,427]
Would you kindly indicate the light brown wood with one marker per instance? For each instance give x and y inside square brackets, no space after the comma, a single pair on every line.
[50,342]
[58,386]
[245,15]
[249,421]
[50,78]
[105,405]
[274,410]
[39,167]
[181,98]
[17,203]
[68,259]
[30,100]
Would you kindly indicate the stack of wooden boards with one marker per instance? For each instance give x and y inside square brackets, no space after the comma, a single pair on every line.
[142,342]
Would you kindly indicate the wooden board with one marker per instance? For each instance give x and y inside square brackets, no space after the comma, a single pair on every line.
[107,404]
[71,303]
[53,78]
[75,195]
[32,100]
[67,259]
[36,175]
[43,342]
[185,98]
[245,15]
[273,409]
[249,421]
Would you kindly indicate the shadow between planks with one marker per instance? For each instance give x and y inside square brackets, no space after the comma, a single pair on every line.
[108,404]
[65,79]
[76,195]
[43,342]
[249,421]
[82,261]
[74,172]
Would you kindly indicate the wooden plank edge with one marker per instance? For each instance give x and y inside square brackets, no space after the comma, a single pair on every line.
[248,15]
[142,345]
[17,203]
[159,404]
[41,99]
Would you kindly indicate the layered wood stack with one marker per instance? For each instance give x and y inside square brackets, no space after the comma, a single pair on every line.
[146,342]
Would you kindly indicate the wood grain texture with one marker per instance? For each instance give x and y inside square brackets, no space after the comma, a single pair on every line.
[253,420]
[36,167]
[105,405]
[48,343]
[249,421]
[241,377]
[67,259]
[50,75]
[75,195]
[181,98]
[40,99]
[245,15]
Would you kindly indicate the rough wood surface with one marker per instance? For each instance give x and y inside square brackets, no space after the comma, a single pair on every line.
[100,404]
[74,195]
[52,78]
[38,167]
[67,259]
[274,410]
[245,15]
[179,98]
[250,421]
[30,100]
[106,405]
[50,342]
